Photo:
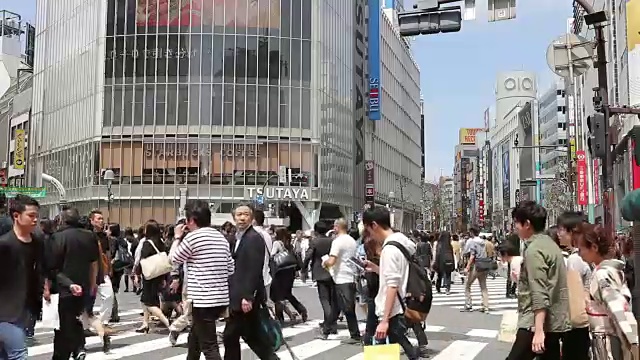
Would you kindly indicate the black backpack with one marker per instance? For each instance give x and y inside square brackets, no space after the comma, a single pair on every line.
[418,295]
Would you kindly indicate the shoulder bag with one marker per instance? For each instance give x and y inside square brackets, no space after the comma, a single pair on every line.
[155,265]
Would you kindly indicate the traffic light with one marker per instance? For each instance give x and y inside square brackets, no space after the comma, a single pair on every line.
[598,126]
[425,22]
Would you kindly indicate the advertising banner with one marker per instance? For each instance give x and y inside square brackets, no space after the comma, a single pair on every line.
[486,119]
[596,181]
[468,135]
[18,152]
[506,178]
[583,190]
[250,14]
[375,102]
[369,182]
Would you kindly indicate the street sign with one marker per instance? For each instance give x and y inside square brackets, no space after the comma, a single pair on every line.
[34,192]
[570,54]
[260,199]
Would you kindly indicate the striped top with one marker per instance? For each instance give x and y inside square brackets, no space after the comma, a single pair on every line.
[209,265]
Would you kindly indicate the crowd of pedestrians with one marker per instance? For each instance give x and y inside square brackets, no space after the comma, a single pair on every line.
[571,280]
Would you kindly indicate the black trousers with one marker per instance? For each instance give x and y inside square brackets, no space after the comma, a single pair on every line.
[521,349]
[70,337]
[346,294]
[329,302]
[511,285]
[248,327]
[202,336]
[577,342]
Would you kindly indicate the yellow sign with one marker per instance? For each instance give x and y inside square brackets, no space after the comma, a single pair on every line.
[18,152]
[633,24]
[468,135]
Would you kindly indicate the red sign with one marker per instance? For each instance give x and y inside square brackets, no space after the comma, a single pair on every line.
[3,177]
[596,181]
[583,191]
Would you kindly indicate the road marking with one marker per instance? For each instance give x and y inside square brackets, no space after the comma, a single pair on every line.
[94,340]
[115,325]
[461,350]
[483,333]
[121,314]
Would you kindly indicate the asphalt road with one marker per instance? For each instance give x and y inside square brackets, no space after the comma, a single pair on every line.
[453,335]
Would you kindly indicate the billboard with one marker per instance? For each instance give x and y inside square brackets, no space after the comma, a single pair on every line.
[375,101]
[263,14]
[18,152]
[633,25]
[506,177]
[468,135]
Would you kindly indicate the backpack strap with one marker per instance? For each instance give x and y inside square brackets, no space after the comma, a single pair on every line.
[406,254]
[402,249]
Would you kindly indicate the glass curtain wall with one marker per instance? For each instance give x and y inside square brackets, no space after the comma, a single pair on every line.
[204,94]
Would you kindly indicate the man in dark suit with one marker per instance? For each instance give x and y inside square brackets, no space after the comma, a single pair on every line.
[318,248]
[21,277]
[247,297]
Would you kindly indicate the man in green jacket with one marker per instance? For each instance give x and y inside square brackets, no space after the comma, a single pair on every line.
[543,297]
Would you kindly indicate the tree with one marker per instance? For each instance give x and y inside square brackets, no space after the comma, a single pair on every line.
[557,197]
[435,209]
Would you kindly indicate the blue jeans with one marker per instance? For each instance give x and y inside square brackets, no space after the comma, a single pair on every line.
[13,340]
[372,321]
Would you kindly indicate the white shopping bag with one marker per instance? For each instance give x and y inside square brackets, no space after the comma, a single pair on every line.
[455,277]
[50,317]
[508,326]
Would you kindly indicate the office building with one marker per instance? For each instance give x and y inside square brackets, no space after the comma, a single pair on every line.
[208,103]
[515,109]
[16,60]
[552,118]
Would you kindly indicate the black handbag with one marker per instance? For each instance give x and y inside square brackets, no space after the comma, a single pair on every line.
[284,260]
[485,264]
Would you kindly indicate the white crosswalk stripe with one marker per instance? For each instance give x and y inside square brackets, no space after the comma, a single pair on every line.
[297,283]
[498,302]
[128,344]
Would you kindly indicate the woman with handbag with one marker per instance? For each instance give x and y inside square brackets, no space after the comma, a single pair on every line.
[285,264]
[152,284]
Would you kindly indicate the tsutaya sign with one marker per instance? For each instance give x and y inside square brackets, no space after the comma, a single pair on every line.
[280,193]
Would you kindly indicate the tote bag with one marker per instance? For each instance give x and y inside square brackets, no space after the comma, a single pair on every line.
[508,326]
[382,352]
[155,265]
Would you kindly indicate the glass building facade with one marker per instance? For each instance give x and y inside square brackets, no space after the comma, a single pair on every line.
[185,99]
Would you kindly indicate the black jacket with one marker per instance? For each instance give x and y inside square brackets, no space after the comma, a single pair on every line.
[72,250]
[247,281]
[318,248]
[16,291]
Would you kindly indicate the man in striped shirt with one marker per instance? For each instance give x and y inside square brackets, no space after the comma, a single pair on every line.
[209,265]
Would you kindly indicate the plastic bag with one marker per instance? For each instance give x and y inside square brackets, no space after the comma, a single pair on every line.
[50,317]
[508,326]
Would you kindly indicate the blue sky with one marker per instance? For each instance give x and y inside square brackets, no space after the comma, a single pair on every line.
[458,70]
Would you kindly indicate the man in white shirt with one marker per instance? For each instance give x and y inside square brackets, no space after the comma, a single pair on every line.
[394,275]
[344,248]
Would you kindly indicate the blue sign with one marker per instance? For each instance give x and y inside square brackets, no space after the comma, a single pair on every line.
[260,199]
[375,101]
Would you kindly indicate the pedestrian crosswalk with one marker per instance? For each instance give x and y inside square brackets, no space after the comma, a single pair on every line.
[498,302]
[128,344]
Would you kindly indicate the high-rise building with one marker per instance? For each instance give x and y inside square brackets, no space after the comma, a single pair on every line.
[16,59]
[552,117]
[227,102]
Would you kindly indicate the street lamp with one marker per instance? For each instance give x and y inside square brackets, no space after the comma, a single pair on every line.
[108,177]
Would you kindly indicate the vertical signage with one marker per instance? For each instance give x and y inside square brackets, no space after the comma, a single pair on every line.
[486,119]
[360,93]
[583,192]
[506,178]
[375,102]
[596,181]
[369,182]
[3,177]
[18,151]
